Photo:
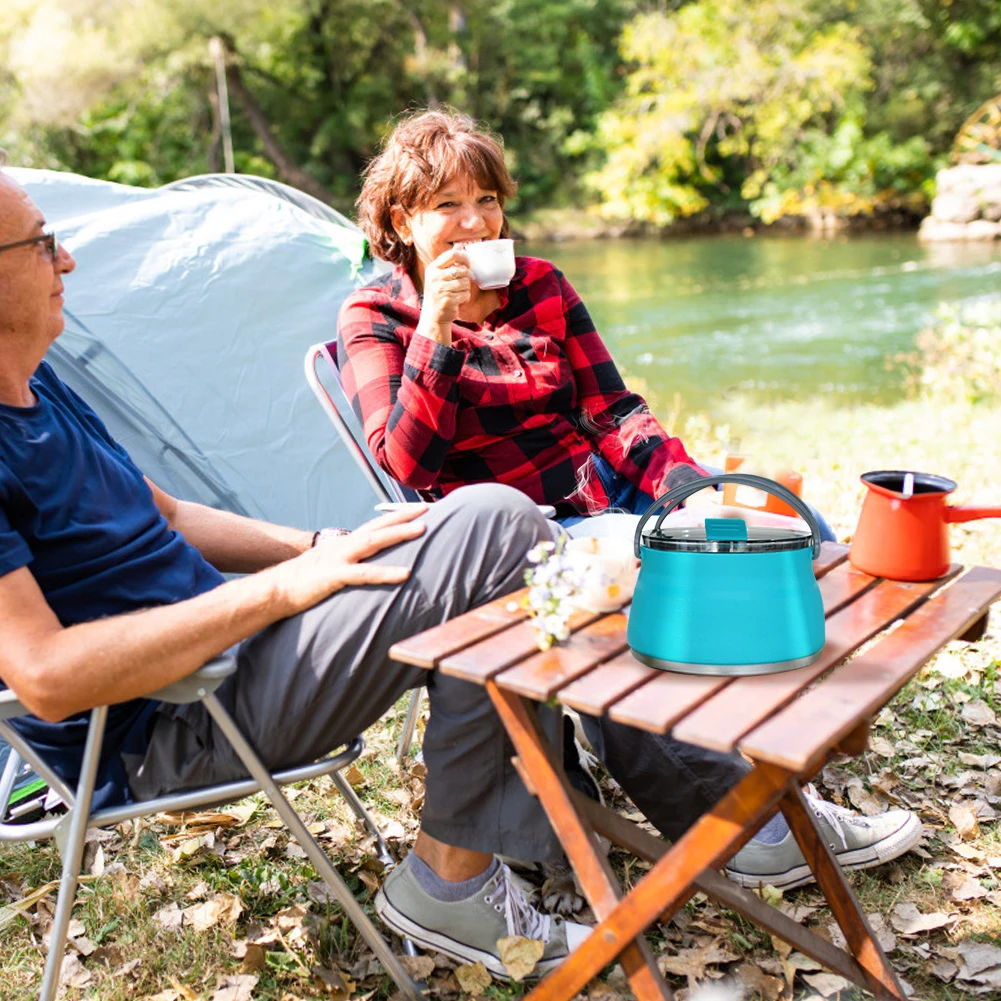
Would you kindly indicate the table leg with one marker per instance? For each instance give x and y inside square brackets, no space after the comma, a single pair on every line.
[976,631]
[646,846]
[880,977]
[578,838]
[709,842]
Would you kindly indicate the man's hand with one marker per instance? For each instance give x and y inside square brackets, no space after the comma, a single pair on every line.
[338,562]
[57,671]
[447,285]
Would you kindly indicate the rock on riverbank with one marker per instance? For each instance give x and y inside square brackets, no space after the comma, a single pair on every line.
[967,206]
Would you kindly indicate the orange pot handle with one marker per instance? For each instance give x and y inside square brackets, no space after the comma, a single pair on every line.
[954,514]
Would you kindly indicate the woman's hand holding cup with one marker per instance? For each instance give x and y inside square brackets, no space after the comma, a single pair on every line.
[447,285]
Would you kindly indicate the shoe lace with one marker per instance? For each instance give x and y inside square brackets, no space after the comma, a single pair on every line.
[836,816]
[519,915]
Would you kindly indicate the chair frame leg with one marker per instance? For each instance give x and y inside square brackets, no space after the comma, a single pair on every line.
[317,856]
[72,854]
[409,725]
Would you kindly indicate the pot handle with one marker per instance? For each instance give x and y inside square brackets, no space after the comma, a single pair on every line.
[956,513]
[674,497]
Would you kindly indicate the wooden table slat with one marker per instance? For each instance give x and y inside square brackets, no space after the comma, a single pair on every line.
[795,737]
[662,701]
[721,722]
[832,554]
[607,683]
[542,674]
[483,660]
[841,585]
[427,649]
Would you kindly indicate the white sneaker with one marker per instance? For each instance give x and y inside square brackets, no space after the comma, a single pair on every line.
[857,842]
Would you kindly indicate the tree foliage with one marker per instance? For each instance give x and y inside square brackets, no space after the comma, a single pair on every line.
[663,108]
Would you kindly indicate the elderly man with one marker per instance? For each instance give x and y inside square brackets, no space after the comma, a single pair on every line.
[111,589]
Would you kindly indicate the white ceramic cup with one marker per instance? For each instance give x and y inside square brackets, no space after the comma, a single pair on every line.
[607,568]
[491,262]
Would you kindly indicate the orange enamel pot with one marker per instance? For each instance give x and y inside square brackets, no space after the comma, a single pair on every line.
[906,537]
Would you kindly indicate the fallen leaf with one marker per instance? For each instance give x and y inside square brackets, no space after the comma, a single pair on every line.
[884,935]
[756,980]
[419,967]
[827,984]
[96,867]
[223,908]
[190,847]
[337,986]
[254,959]
[83,945]
[354,776]
[473,979]
[289,923]
[976,957]
[782,947]
[170,918]
[798,912]
[882,747]
[984,761]
[865,802]
[964,818]
[109,954]
[236,987]
[969,889]
[73,973]
[908,920]
[127,969]
[692,963]
[519,955]
[944,969]
[978,713]
[186,993]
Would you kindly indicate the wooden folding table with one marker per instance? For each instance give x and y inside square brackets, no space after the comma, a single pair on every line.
[787,725]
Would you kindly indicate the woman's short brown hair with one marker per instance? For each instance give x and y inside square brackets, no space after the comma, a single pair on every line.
[423,153]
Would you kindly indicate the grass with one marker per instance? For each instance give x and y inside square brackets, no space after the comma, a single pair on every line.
[914,760]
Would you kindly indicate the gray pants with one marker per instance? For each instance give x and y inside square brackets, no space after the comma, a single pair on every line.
[307,684]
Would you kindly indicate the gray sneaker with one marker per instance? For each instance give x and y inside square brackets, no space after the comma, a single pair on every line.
[857,842]
[468,930]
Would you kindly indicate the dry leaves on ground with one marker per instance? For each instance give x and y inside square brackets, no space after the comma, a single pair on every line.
[519,955]
[473,979]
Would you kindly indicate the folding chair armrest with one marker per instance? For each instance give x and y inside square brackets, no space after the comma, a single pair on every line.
[11,705]
[196,686]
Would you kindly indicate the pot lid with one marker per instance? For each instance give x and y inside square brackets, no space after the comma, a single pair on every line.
[727,535]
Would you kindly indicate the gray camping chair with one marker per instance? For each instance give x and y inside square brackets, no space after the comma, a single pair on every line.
[385,487]
[70,830]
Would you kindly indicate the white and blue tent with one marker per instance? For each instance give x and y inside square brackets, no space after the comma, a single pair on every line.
[186,324]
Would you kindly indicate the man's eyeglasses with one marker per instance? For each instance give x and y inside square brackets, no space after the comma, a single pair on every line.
[49,239]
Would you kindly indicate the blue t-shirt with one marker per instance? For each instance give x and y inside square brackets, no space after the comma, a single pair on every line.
[77,512]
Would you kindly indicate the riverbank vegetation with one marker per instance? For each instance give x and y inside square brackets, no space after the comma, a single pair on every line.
[646,111]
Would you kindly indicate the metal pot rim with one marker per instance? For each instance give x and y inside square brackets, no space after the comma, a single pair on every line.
[687,540]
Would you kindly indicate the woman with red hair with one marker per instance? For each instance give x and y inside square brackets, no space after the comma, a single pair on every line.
[456,384]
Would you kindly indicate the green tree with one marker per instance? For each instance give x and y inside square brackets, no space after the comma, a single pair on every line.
[721,97]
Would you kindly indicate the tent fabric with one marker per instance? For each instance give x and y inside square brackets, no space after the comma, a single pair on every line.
[207,292]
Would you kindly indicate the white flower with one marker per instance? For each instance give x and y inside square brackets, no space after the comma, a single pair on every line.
[553,585]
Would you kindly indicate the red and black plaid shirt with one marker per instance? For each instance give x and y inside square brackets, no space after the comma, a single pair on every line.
[524,398]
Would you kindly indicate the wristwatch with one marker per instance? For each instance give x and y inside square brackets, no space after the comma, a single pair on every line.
[328,533]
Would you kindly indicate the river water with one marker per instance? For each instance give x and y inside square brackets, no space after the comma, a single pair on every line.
[769,317]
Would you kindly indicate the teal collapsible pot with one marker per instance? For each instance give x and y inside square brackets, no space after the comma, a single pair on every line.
[726,598]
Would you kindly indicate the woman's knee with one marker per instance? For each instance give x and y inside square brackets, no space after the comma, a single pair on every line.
[495,506]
